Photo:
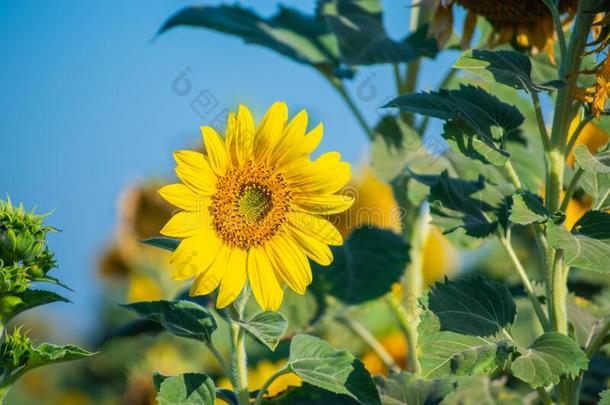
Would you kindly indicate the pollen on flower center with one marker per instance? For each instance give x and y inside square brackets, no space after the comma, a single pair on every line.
[255,203]
[250,205]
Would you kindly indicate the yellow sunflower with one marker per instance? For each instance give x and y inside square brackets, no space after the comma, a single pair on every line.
[252,207]
[525,23]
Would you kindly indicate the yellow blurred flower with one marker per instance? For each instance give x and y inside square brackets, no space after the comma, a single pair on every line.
[260,373]
[375,205]
[526,23]
[396,346]
[142,212]
[251,206]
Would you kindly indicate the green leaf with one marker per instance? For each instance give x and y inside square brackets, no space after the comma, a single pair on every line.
[599,163]
[365,267]
[507,67]
[308,394]
[588,245]
[182,318]
[48,353]
[338,371]
[362,39]
[443,353]
[267,327]
[482,390]
[302,38]
[162,242]
[186,389]
[527,208]
[464,139]
[472,306]
[33,298]
[475,206]
[604,398]
[550,357]
[406,389]
[489,117]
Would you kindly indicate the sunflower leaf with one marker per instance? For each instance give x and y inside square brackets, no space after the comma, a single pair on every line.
[472,306]
[267,327]
[445,353]
[550,357]
[507,67]
[405,388]
[163,242]
[475,206]
[599,163]
[365,267]
[362,38]
[338,371]
[308,394]
[32,298]
[302,38]
[527,208]
[488,116]
[182,318]
[588,245]
[48,353]
[185,389]
[463,139]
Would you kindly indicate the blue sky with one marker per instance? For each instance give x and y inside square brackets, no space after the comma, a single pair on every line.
[88,109]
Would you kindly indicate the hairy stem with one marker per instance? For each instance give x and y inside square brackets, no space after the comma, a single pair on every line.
[338,85]
[363,333]
[267,384]
[527,285]
[570,190]
[581,125]
[239,359]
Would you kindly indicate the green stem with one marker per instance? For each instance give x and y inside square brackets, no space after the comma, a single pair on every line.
[570,190]
[598,340]
[267,384]
[527,285]
[544,136]
[581,125]
[239,359]
[558,293]
[512,174]
[223,363]
[363,333]
[558,27]
[544,396]
[338,85]
[410,332]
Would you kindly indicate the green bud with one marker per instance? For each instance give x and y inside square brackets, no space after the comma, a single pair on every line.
[22,234]
[15,350]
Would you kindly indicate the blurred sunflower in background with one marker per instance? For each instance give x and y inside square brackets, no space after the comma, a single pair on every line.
[142,212]
[254,201]
[525,24]
[374,205]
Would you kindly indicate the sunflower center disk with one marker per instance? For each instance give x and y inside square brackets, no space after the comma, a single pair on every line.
[250,205]
[255,203]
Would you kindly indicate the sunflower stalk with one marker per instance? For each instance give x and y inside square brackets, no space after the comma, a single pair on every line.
[239,358]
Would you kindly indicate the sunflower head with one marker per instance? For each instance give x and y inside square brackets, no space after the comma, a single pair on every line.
[252,207]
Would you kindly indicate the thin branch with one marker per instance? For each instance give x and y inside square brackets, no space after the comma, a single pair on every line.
[552,5]
[581,125]
[571,188]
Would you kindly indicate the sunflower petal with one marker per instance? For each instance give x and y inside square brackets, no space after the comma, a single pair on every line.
[289,262]
[316,227]
[234,278]
[270,130]
[244,136]
[183,224]
[266,288]
[322,204]
[217,150]
[325,175]
[196,181]
[292,135]
[190,259]
[318,252]
[209,279]
[182,197]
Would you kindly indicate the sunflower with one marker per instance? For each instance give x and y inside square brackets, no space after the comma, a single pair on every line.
[252,207]
[525,23]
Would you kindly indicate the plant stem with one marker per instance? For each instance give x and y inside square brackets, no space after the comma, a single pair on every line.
[410,332]
[223,363]
[552,5]
[338,85]
[544,396]
[570,190]
[544,136]
[558,292]
[267,384]
[512,174]
[239,359]
[527,285]
[598,340]
[363,333]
